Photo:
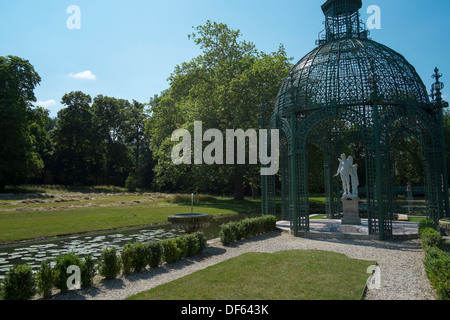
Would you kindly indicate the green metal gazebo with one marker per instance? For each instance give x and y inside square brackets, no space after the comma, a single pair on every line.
[351,89]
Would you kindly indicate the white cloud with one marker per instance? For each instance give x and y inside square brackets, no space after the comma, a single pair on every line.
[86,75]
[46,104]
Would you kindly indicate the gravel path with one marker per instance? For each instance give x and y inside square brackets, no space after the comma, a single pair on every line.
[401,269]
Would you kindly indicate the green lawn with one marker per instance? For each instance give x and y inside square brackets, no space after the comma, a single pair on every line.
[287,275]
[31,223]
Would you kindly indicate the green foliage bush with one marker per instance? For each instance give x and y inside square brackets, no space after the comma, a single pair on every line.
[182,245]
[237,230]
[437,266]
[135,257]
[63,262]
[226,234]
[45,278]
[202,240]
[88,271]
[141,254]
[171,252]
[426,224]
[126,257]
[192,245]
[109,264]
[155,254]
[431,238]
[19,283]
[437,261]
[131,184]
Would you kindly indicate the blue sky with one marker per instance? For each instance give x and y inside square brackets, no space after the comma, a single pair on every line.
[128,49]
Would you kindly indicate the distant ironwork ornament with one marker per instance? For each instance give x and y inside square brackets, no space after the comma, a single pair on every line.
[352,90]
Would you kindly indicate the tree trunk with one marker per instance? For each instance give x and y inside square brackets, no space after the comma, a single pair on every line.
[255,192]
[238,185]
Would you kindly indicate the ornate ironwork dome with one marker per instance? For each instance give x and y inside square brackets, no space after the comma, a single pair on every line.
[353,93]
[347,68]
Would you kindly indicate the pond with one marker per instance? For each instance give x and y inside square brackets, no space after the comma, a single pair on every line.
[34,252]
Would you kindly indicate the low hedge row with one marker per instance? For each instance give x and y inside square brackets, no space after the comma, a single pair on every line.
[237,230]
[21,284]
[437,261]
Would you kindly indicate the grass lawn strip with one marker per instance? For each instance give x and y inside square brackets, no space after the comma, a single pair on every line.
[286,275]
[34,224]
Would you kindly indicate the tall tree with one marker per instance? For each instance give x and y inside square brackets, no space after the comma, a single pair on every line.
[135,126]
[18,160]
[39,132]
[76,143]
[222,88]
[111,121]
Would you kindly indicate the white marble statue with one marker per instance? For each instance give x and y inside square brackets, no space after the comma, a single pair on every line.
[349,173]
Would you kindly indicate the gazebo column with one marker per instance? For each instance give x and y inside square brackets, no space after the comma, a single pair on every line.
[443,174]
[299,202]
[382,179]
[285,196]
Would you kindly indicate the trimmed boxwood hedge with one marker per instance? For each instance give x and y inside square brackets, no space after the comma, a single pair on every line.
[21,284]
[437,261]
[237,230]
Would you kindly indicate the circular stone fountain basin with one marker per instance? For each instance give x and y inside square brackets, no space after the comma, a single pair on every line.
[190,222]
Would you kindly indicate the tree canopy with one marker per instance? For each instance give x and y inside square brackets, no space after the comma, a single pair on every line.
[222,88]
[18,157]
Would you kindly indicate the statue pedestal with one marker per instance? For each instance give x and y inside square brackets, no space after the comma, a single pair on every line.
[351,211]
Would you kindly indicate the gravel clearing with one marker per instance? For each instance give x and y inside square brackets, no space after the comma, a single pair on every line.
[401,266]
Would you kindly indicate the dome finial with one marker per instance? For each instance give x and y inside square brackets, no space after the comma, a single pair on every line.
[342,20]
[436,93]
[341,7]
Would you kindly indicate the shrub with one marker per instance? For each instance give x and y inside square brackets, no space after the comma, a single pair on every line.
[19,283]
[109,264]
[45,279]
[130,183]
[140,256]
[238,230]
[226,234]
[270,223]
[192,244]
[88,271]
[171,252]
[202,240]
[430,238]
[426,224]
[63,262]
[234,231]
[437,266]
[155,254]
[182,245]
[126,257]
[250,227]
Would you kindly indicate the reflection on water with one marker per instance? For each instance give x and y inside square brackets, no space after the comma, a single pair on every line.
[34,252]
